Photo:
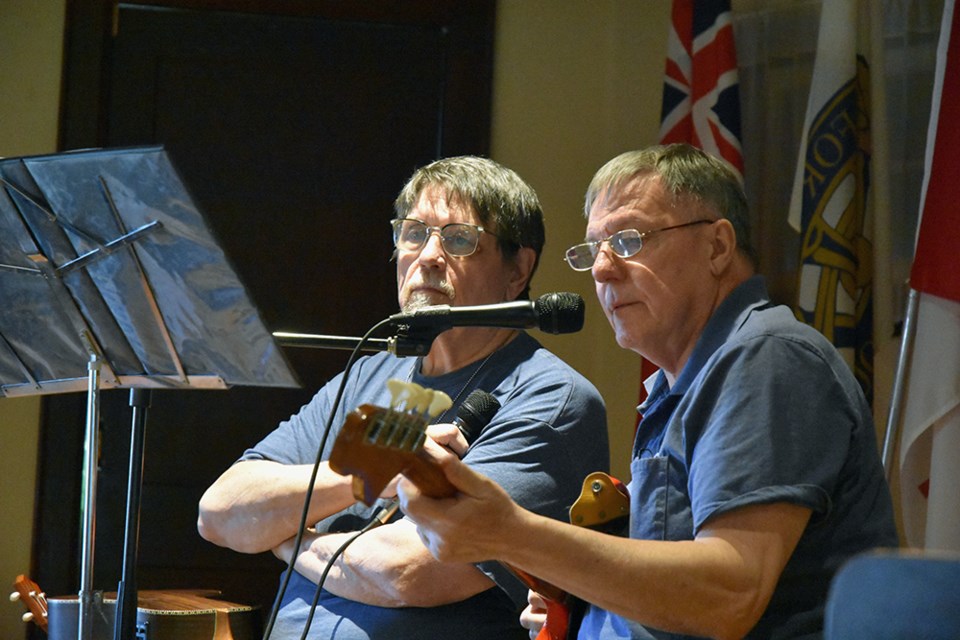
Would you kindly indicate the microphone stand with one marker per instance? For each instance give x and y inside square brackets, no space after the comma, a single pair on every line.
[407,342]
[316,341]
[416,330]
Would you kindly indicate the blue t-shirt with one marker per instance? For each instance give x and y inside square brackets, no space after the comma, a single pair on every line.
[549,433]
[764,411]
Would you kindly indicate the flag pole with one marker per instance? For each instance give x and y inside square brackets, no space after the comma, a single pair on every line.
[895,416]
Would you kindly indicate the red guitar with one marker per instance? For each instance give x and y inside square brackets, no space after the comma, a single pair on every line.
[375,444]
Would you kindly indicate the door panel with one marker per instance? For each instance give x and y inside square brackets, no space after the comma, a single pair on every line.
[294,125]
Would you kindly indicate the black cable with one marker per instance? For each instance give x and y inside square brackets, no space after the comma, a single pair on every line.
[271,621]
[382,517]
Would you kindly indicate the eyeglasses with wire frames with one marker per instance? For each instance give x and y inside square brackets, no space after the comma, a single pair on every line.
[625,243]
[458,239]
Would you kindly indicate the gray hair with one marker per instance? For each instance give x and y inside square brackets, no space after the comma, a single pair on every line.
[686,172]
[500,198]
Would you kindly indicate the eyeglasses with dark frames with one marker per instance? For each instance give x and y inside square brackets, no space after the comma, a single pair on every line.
[458,239]
[625,243]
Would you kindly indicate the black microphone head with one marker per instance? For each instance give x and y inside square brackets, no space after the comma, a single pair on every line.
[475,413]
[560,312]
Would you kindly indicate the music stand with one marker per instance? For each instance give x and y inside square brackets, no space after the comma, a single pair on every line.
[110,278]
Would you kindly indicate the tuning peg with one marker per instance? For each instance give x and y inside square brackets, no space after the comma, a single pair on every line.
[27,617]
[402,393]
[440,402]
[14,596]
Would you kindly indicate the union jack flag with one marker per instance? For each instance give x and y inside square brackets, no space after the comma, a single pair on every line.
[701,96]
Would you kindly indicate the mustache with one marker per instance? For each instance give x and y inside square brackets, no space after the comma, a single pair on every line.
[424,293]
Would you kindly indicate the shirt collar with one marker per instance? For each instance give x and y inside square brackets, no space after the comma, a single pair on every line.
[733,311]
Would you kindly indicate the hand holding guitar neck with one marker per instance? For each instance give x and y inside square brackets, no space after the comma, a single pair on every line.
[377,444]
[473,415]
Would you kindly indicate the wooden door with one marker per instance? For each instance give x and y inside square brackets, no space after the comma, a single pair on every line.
[294,124]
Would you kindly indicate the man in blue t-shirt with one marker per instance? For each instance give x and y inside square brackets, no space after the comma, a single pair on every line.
[754,471]
[467,232]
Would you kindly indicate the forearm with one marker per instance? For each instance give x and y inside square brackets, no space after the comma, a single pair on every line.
[255,505]
[717,585]
[707,587]
[659,584]
[387,566]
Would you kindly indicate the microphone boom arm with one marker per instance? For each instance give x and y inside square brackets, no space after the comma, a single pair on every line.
[404,343]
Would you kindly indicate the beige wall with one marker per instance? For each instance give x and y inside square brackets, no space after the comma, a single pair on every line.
[575,83]
[31,38]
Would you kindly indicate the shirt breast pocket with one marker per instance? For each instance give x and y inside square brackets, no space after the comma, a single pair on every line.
[659,504]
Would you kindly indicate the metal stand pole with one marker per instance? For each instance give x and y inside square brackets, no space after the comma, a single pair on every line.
[88,525]
[125,623]
[896,399]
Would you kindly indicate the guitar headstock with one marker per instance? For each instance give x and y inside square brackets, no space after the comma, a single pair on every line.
[376,443]
[33,598]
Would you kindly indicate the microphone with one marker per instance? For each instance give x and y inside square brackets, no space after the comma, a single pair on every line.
[474,414]
[551,312]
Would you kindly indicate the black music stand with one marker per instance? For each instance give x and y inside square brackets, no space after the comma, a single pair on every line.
[110,278]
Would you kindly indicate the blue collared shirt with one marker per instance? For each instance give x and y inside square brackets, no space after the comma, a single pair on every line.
[764,411]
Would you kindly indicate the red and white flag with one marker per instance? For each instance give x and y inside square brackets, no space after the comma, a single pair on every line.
[930,437]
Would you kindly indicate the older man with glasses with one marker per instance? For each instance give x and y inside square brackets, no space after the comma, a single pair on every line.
[467,231]
[755,471]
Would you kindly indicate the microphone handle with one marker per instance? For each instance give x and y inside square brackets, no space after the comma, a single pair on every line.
[464,430]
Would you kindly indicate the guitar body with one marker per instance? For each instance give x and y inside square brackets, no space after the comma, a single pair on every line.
[603,505]
[161,615]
